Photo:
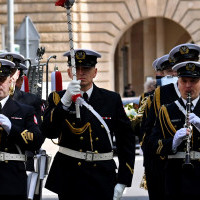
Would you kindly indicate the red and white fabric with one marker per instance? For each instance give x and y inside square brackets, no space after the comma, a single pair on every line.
[56,81]
[25,85]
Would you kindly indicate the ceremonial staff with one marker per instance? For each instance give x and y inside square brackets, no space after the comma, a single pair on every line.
[76,98]
[68,4]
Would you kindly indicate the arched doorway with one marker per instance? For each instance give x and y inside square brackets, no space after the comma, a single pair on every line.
[140,45]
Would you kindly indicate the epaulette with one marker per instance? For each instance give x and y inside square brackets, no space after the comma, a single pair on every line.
[56,98]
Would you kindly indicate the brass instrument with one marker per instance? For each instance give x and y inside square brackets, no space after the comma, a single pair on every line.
[138,118]
[140,112]
[187,125]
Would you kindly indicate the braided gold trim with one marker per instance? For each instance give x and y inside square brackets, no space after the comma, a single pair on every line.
[160,146]
[173,130]
[79,130]
[51,117]
[131,170]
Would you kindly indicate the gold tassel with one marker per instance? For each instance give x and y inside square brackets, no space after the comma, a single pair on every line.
[143,183]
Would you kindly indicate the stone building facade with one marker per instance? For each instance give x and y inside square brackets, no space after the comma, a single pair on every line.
[130,34]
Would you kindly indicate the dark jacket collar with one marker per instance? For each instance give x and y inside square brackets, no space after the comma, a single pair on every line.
[10,107]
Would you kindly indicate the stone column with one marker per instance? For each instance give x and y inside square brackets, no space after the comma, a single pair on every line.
[149,47]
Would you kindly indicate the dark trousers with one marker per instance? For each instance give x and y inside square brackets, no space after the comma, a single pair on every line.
[67,197]
[13,197]
[182,197]
[155,179]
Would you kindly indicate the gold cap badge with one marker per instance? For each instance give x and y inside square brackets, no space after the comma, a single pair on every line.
[9,57]
[184,50]
[80,55]
[190,67]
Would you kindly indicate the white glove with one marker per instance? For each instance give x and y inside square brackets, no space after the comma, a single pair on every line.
[118,191]
[195,120]
[73,89]
[178,138]
[5,123]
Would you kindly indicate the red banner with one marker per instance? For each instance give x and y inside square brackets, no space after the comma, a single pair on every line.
[60,2]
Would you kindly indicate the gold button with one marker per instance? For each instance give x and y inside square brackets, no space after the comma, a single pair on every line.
[102,126]
[6,149]
[94,165]
[80,150]
[96,138]
[96,151]
[73,124]
[79,163]
[81,138]
[6,161]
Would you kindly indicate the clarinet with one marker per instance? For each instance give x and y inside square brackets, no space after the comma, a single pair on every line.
[187,125]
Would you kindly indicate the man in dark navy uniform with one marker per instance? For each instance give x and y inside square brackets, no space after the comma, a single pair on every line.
[168,138]
[84,167]
[18,133]
[17,94]
[163,95]
[24,98]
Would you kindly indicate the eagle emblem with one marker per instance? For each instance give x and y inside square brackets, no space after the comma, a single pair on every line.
[80,55]
[184,50]
[190,67]
[9,57]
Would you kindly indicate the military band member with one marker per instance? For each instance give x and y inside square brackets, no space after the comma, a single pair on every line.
[147,97]
[24,98]
[84,167]
[168,137]
[18,133]
[17,94]
[164,95]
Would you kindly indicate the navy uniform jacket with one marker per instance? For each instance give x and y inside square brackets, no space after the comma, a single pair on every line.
[163,95]
[177,181]
[148,97]
[85,175]
[26,135]
[29,99]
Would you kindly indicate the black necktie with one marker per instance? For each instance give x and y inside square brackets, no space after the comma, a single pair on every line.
[85,96]
[0,106]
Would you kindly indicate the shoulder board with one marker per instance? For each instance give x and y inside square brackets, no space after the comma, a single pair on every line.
[56,98]
[165,122]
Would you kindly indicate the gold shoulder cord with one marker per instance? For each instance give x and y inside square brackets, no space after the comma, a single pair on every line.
[164,122]
[78,131]
[167,122]
[160,119]
[157,101]
[129,167]
[81,130]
